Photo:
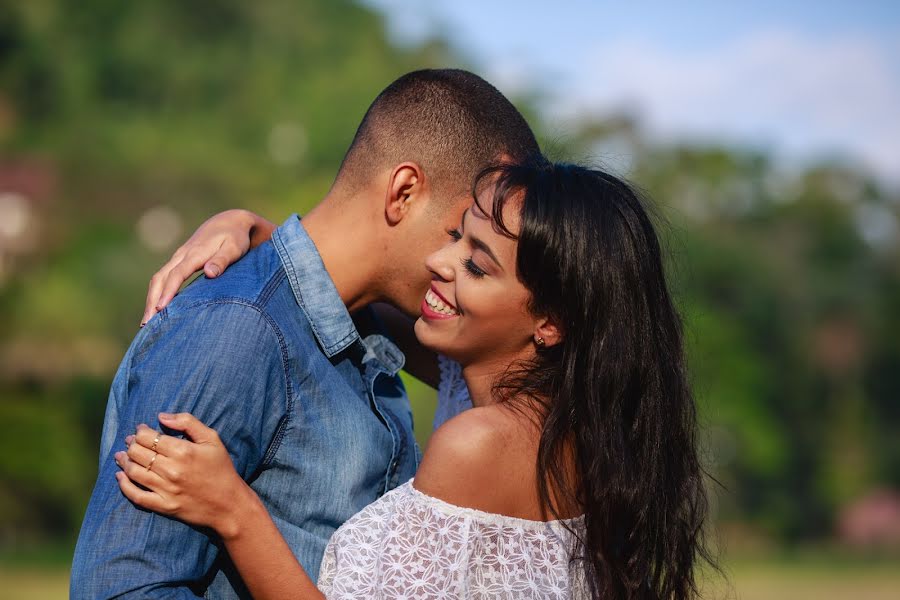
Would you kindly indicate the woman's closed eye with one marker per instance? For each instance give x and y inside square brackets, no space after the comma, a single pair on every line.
[468,264]
[472,269]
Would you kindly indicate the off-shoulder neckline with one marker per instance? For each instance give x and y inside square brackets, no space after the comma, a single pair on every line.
[573,523]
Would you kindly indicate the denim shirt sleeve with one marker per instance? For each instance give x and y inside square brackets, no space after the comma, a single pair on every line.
[225,363]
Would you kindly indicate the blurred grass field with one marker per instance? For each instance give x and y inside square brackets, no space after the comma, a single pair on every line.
[749,580]
[770,580]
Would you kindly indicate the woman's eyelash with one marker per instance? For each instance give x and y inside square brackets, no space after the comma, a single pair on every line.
[472,269]
[468,264]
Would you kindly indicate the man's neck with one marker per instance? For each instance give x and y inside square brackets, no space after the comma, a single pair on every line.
[345,242]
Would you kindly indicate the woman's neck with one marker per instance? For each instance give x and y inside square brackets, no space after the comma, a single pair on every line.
[481,376]
[481,386]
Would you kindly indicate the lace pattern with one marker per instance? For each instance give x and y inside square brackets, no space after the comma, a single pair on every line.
[410,545]
[453,395]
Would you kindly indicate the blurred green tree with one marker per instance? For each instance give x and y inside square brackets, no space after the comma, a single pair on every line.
[124,125]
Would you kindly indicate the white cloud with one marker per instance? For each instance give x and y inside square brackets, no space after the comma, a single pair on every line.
[797,94]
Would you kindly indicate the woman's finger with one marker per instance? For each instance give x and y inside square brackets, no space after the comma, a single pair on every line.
[157,441]
[149,500]
[152,296]
[140,474]
[156,285]
[191,263]
[189,424]
[227,254]
[141,455]
[174,280]
[214,266]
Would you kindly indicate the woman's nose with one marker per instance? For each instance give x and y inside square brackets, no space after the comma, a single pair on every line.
[441,264]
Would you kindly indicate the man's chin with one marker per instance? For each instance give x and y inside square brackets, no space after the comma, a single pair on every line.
[412,307]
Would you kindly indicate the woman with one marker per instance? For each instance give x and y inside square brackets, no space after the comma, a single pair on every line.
[575,474]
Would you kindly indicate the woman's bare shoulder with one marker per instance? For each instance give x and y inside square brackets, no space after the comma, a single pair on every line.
[481,459]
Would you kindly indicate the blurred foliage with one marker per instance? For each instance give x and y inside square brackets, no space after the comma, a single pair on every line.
[124,125]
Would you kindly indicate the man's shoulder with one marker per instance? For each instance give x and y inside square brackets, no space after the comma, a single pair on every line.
[250,302]
[248,280]
[232,309]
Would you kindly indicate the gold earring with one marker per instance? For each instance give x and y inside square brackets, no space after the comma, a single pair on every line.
[539,341]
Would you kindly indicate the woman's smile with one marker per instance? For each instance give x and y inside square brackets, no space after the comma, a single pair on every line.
[435,306]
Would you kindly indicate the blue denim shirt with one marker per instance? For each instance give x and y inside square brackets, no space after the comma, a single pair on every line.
[315,419]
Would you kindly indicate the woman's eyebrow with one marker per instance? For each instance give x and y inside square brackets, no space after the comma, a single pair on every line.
[480,245]
[477,243]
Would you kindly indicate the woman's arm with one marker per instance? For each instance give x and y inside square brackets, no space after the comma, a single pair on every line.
[195,481]
[226,237]
[218,242]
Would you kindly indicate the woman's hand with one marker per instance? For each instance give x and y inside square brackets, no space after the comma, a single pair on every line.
[219,242]
[193,481]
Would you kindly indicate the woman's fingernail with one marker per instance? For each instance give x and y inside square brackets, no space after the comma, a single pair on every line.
[214,269]
[129,440]
[166,416]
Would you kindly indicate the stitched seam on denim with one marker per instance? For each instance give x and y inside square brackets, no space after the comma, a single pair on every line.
[288,390]
[271,285]
[401,442]
[287,265]
[292,278]
[267,292]
[145,331]
[385,416]
[278,435]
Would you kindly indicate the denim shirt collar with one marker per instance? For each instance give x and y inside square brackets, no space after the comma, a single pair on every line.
[313,288]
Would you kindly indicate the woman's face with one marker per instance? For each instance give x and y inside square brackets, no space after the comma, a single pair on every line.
[477,309]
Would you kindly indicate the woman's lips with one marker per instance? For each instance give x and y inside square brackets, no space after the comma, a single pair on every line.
[433,315]
[435,306]
[441,296]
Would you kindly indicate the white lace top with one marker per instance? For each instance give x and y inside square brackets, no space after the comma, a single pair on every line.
[453,395]
[410,545]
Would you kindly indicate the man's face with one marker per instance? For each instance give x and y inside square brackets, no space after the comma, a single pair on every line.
[429,231]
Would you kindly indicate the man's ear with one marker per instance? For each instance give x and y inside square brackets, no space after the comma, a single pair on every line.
[547,332]
[405,184]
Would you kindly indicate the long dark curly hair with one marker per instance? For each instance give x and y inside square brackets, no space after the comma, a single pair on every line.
[614,392]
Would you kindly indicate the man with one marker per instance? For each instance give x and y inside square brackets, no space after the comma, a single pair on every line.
[268,354]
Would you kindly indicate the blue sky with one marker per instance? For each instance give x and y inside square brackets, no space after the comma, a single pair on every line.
[803,79]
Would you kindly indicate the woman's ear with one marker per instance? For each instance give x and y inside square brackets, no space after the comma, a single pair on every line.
[547,332]
[405,183]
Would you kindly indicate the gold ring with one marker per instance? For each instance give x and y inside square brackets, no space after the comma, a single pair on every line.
[155,442]
[152,460]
